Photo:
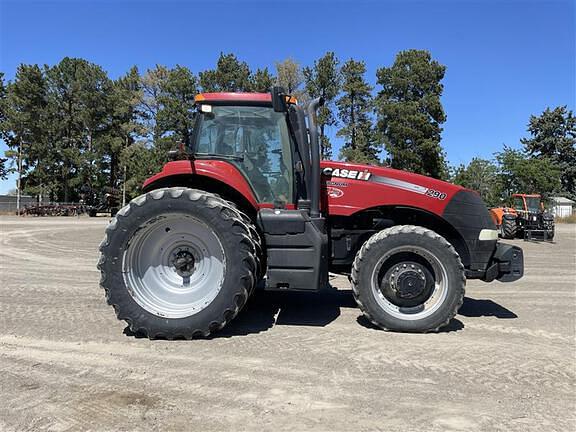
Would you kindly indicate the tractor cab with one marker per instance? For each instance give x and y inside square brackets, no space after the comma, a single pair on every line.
[265,137]
[254,138]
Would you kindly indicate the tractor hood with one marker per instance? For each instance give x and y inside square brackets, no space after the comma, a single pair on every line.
[350,188]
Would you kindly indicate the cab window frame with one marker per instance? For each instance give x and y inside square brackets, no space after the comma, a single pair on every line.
[238,160]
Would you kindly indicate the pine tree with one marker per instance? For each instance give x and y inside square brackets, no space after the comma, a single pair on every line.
[25,123]
[354,112]
[410,113]
[77,101]
[324,80]
[175,117]
[122,129]
[261,81]
[230,75]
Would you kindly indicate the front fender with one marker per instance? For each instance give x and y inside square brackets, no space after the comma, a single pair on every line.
[468,214]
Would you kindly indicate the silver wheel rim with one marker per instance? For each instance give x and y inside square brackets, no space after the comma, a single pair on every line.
[174,266]
[434,301]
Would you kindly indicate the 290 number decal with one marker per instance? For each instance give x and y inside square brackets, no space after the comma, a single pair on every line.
[436,194]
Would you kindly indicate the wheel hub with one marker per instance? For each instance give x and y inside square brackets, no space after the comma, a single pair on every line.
[410,284]
[407,284]
[184,262]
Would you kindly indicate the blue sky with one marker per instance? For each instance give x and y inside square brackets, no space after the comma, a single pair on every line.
[505,59]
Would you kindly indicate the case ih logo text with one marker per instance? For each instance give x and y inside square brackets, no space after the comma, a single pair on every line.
[344,173]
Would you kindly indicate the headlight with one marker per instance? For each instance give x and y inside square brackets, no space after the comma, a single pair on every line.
[534,218]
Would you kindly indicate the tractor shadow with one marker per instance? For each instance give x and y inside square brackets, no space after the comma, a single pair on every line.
[484,308]
[266,309]
[318,309]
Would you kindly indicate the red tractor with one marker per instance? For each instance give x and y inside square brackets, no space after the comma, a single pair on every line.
[250,204]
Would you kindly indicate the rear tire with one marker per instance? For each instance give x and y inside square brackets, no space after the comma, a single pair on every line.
[408,278]
[508,229]
[177,263]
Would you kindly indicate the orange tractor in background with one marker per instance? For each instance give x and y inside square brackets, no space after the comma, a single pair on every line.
[526,218]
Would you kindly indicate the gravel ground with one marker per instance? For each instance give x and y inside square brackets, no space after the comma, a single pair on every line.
[289,362]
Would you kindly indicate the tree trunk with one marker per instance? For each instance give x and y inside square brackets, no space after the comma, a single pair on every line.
[113,168]
[352,123]
[19,186]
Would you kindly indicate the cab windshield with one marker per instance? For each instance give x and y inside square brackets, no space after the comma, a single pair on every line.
[257,141]
[533,204]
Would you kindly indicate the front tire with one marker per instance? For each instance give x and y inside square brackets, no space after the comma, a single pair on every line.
[408,278]
[508,229]
[177,263]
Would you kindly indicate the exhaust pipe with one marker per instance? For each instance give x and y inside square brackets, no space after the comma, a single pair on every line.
[314,157]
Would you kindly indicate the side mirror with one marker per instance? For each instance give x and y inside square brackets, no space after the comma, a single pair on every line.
[278,99]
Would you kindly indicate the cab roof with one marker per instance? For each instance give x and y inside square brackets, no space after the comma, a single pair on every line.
[229,98]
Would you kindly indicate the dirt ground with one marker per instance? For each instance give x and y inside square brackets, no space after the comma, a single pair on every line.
[289,362]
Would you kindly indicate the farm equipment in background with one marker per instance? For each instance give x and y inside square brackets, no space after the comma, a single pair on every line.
[251,205]
[105,201]
[53,209]
[527,219]
[91,203]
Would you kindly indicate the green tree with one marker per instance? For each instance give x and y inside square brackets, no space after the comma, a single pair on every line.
[480,175]
[323,79]
[164,119]
[24,126]
[410,113]
[122,128]
[141,161]
[520,173]
[261,81]
[354,108]
[553,136]
[175,117]
[230,75]
[77,106]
